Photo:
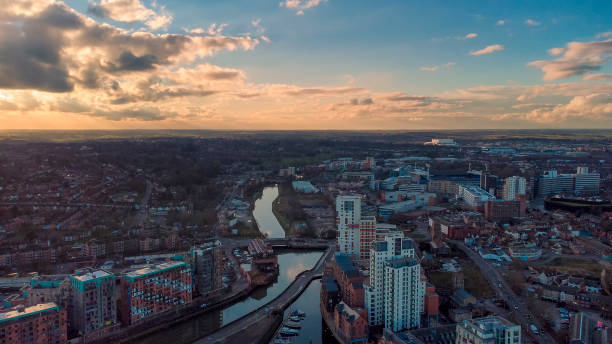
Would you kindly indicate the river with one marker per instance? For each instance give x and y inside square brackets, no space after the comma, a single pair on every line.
[266,221]
[290,265]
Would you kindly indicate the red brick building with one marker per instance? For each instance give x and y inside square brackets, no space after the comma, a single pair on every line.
[350,281]
[500,209]
[154,289]
[351,327]
[42,323]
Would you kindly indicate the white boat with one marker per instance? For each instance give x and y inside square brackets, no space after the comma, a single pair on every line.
[292,324]
[295,318]
[286,331]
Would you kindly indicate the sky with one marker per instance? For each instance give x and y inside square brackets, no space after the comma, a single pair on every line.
[305,64]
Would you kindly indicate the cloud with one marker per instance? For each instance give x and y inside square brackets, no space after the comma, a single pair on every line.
[471,35]
[556,51]
[301,5]
[598,77]
[500,22]
[604,35]
[142,114]
[532,22]
[315,91]
[435,68]
[130,11]
[488,50]
[578,58]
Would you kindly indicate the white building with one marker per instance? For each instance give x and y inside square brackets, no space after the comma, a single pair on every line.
[395,296]
[514,186]
[348,208]
[493,329]
[473,195]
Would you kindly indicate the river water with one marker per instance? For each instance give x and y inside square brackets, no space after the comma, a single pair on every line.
[266,221]
[290,265]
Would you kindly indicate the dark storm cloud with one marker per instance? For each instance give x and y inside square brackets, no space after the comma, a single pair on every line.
[130,62]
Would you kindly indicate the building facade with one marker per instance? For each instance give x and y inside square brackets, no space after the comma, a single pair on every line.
[93,302]
[348,208]
[514,186]
[207,266]
[154,289]
[395,295]
[42,323]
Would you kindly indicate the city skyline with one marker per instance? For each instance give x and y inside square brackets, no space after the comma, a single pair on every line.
[304,64]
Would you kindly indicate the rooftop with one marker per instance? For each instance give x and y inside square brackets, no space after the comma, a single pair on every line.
[92,275]
[18,313]
[151,269]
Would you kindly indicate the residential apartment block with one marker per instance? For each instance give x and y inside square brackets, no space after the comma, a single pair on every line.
[154,289]
[395,295]
[93,302]
[41,323]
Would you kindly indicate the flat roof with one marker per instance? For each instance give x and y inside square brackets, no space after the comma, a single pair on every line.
[93,275]
[39,308]
[152,269]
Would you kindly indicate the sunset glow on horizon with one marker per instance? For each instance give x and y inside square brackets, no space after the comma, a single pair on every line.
[304,64]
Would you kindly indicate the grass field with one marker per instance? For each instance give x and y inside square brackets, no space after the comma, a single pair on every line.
[581,267]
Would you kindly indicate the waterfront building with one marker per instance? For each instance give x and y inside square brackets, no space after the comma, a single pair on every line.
[488,330]
[514,186]
[41,323]
[154,289]
[349,280]
[394,297]
[94,302]
[350,327]
[207,266]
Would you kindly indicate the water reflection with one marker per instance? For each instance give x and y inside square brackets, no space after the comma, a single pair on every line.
[193,329]
[313,328]
[264,217]
[296,262]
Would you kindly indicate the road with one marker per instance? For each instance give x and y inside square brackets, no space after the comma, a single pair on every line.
[144,204]
[242,325]
[503,290]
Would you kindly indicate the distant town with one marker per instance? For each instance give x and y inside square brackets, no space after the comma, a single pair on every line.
[292,237]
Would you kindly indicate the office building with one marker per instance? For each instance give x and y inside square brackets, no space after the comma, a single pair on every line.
[474,196]
[154,289]
[586,183]
[94,302]
[395,295]
[207,266]
[41,323]
[580,183]
[488,330]
[514,186]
